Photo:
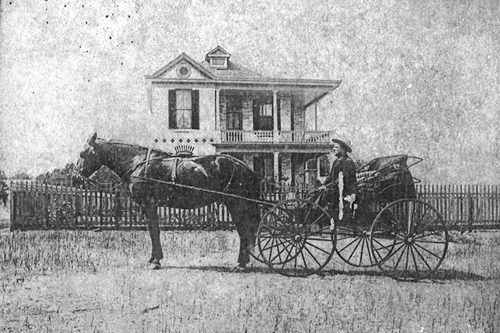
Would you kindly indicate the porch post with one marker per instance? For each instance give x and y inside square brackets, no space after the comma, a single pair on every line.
[315,116]
[275,117]
[276,166]
[217,107]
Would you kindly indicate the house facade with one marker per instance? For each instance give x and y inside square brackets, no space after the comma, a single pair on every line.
[218,106]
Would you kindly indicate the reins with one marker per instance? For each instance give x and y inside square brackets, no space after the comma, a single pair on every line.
[194,188]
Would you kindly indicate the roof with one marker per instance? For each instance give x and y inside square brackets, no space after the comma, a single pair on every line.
[182,57]
[233,71]
[239,75]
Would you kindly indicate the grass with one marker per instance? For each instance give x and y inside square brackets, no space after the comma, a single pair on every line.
[97,282]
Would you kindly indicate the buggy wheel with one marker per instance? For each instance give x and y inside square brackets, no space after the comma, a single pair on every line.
[353,245]
[409,240]
[295,238]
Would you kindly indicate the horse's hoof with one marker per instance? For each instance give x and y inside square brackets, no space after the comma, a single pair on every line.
[154,266]
[239,269]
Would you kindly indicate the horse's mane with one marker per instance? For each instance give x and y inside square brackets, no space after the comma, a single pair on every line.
[133,145]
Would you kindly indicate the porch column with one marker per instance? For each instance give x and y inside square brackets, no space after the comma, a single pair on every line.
[275,117]
[276,166]
[217,107]
[315,116]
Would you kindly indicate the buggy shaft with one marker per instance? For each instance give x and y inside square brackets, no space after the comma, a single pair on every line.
[262,202]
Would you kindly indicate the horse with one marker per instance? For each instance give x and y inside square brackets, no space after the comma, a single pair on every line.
[157,178]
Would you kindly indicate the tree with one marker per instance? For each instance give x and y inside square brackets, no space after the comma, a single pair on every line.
[58,176]
[21,175]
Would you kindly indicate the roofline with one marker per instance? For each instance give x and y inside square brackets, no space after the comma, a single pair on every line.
[221,48]
[182,56]
[306,83]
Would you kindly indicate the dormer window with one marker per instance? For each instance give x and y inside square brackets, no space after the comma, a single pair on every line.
[218,62]
[218,58]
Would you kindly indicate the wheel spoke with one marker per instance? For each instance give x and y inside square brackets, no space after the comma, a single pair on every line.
[414,260]
[307,215]
[400,256]
[369,252]
[352,253]
[431,242]
[317,247]
[268,240]
[319,265]
[423,248]
[428,224]
[304,260]
[285,248]
[437,233]
[407,260]
[361,254]
[388,246]
[422,258]
[393,253]
[320,239]
[342,249]
[278,243]
[288,257]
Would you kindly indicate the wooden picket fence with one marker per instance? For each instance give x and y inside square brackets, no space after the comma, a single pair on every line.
[35,205]
[464,207]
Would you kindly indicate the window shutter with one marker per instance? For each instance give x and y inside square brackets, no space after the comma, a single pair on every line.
[172,124]
[195,109]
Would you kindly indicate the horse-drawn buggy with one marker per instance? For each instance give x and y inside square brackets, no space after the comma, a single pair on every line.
[385,225]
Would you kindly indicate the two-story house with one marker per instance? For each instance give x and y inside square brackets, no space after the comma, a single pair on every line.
[219,106]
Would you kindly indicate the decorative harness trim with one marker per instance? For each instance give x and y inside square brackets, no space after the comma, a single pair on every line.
[148,155]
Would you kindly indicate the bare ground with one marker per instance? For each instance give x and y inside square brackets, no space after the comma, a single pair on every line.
[97,282]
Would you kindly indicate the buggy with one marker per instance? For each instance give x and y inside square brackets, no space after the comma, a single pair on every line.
[386,226]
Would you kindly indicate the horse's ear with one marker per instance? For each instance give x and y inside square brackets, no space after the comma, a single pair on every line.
[91,140]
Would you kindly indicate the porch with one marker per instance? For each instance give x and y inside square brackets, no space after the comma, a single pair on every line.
[288,137]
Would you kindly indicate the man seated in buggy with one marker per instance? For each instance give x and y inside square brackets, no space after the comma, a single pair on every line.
[328,194]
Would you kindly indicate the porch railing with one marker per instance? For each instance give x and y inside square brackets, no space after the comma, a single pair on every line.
[322,137]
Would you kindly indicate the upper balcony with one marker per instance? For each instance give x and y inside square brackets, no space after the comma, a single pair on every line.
[277,137]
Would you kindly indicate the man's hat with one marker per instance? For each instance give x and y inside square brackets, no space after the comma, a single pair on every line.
[346,144]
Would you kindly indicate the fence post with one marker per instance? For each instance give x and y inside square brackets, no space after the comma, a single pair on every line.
[12,206]
[470,216]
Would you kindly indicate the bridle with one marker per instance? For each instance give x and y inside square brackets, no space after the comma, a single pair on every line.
[130,170]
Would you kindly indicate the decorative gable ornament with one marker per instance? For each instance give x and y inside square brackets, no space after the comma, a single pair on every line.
[184,150]
[183,70]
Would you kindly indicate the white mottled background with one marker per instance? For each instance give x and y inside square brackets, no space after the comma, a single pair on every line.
[419,77]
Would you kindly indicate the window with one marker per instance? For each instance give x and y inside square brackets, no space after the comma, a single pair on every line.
[263,113]
[183,108]
[219,62]
[234,112]
[266,110]
[324,166]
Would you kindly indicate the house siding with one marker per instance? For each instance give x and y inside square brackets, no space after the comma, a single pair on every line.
[298,113]
[207,109]
[247,114]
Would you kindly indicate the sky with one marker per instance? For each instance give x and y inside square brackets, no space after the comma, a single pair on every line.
[418,78]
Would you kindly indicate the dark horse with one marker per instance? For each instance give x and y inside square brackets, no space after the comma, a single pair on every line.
[151,175]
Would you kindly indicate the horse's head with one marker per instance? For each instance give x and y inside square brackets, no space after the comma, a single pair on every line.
[91,158]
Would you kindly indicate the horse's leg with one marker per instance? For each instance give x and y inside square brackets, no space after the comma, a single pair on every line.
[154,233]
[243,216]
[253,220]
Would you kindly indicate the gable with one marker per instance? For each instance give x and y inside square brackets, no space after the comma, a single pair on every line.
[218,52]
[183,70]
[183,67]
